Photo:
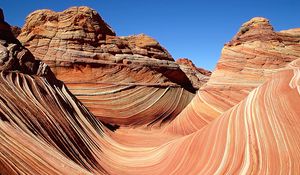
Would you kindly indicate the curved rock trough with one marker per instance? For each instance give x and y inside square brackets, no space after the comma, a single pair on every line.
[143,112]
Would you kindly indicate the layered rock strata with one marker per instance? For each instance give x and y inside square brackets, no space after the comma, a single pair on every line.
[37,117]
[250,58]
[123,80]
[44,129]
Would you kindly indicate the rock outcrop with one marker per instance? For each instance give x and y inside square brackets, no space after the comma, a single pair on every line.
[250,58]
[122,80]
[198,76]
[44,129]
[255,53]
[15,57]
[37,117]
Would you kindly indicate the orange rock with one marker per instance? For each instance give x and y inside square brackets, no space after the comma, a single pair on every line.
[197,76]
[44,129]
[128,81]
[250,58]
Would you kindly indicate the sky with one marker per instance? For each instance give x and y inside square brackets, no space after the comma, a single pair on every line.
[194,29]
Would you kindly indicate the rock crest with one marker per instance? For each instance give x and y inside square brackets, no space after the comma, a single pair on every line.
[85,53]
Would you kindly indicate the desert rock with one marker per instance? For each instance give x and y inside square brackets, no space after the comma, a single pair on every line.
[198,76]
[45,129]
[249,59]
[122,80]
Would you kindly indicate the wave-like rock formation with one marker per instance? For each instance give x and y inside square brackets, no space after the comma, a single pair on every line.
[41,123]
[259,135]
[123,80]
[44,129]
[253,55]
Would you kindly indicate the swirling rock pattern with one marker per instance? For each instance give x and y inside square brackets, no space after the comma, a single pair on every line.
[44,129]
[127,81]
[253,55]
[259,135]
[37,117]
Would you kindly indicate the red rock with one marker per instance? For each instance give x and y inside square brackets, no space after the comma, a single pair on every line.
[46,130]
[198,76]
[15,57]
[254,54]
[264,123]
[37,117]
[128,81]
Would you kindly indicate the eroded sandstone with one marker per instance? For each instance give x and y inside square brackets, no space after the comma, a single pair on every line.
[134,76]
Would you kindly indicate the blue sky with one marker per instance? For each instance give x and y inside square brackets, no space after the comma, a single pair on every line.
[186,28]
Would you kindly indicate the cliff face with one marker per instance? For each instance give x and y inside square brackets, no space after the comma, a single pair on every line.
[134,76]
[251,57]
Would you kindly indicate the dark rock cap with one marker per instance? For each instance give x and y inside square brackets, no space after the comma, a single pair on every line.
[1,15]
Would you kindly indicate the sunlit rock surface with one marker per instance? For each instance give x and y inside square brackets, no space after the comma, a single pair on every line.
[259,135]
[127,81]
[250,58]
[44,129]
[41,123]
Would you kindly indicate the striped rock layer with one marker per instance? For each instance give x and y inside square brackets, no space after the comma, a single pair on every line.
[127,81]
[40,120]
[44,129]
[249,59]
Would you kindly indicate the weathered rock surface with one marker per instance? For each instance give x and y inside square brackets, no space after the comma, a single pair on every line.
[15,57]
[266,123]
[37,117]
[255,53]
[44,129]
[250,58]
[198,76]
[122,80]
[80,34]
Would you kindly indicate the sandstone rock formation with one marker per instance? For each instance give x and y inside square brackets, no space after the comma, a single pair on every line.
[15,57]
[123,80]
[258,133]
[197,76]
[37,113]
[44,129]
[255,53]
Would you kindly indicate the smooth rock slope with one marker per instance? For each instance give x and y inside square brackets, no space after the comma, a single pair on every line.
[250,58]
[44,129]
[41,123]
